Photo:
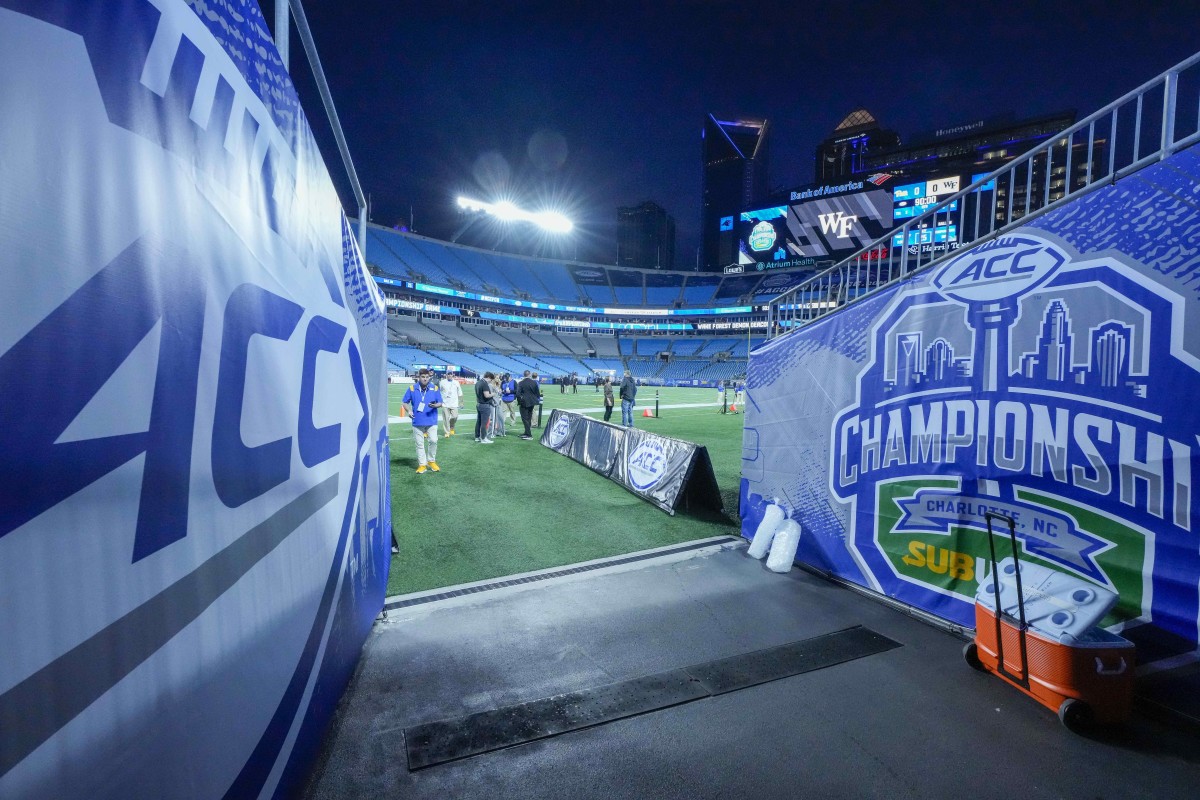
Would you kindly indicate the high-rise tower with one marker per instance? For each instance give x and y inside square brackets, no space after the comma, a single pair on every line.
[645,237]
[735,155]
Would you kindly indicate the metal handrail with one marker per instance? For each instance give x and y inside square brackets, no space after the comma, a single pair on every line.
[876,266]
[314,61]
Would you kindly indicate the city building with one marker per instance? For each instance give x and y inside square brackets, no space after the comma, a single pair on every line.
[842,154]
[861,148]
[645,237]
[735,156]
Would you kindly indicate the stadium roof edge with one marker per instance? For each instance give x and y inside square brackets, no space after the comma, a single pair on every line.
[561,262]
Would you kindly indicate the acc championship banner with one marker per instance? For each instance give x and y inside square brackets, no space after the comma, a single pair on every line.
[1049,375]
[194,515]
[667,472]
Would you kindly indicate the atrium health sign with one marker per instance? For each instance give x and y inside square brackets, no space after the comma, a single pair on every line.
[194,507]
[1047,375]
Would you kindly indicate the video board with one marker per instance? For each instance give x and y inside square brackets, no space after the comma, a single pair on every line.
[818,228]
[823,225]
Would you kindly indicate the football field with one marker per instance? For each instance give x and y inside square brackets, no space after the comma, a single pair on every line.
[516,506]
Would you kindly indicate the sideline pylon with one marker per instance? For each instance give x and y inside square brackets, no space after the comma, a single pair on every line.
[733,408]
[646,413]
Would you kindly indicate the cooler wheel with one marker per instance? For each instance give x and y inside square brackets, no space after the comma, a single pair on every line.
[971,656]
[1076,715]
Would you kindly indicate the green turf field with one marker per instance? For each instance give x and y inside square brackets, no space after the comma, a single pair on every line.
[515,506]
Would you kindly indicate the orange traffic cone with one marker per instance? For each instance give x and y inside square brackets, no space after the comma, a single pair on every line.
[403,412]
[646,413]
[733,408]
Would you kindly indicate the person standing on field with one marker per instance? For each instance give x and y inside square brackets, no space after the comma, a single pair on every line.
[528,396]
[508,397]
[423,402]
[483,408]
[451,401]
[608,399]
[628,393]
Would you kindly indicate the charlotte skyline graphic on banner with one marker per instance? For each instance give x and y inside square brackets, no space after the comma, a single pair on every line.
[1106,370]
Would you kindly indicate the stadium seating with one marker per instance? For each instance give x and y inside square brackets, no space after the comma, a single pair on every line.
[477,345]
[687,345]
[605,346]
[698,290]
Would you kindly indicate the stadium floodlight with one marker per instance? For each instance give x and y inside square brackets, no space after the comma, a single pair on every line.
[507,211]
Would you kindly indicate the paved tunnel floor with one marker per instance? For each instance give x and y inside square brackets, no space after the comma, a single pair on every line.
[911,721]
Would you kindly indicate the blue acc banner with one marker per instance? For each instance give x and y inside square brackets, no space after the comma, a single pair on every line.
[1049,375]
[194,514]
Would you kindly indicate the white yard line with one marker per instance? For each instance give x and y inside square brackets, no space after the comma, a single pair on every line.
[637,410]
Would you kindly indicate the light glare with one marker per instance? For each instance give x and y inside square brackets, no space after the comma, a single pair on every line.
[505,210]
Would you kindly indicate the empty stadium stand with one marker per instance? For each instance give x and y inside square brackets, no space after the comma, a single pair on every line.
[441,294]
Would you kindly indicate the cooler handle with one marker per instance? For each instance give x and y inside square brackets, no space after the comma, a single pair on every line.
[1118,670]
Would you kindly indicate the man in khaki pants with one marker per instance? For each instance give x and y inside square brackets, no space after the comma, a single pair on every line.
[451,402]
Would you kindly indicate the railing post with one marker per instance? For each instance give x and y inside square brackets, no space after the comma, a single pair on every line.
[1170,87]
[282,24]
[362,232]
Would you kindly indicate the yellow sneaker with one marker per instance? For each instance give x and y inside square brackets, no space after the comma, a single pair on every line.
[433,466]
[421,469]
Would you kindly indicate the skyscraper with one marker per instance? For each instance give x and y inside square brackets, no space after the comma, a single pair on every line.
[1054,346]
[645,237]
[735,156]
[1110,355]
[939,362]
[908,367]
[844,153]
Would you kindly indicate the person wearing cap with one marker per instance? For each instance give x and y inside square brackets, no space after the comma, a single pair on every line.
[451,401]
[423,401]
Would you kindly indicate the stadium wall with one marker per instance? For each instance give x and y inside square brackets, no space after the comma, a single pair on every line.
[1049,374]
[194,503]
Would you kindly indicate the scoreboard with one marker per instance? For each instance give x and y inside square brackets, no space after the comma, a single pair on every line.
[913,199]
[825,224]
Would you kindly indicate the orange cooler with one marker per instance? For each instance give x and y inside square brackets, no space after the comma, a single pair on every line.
[1037,629]
[1094,672]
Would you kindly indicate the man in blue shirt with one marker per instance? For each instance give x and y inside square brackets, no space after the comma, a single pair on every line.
[508,396]
[423,401]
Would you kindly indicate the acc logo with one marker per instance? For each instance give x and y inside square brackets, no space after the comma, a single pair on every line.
[646,464]
[762,236]
[1004,269]
[560,431]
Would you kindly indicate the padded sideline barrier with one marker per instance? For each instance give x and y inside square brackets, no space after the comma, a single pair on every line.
[668,472]
[194,500]
[1047,375]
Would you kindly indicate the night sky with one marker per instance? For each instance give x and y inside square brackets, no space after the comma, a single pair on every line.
[588,106]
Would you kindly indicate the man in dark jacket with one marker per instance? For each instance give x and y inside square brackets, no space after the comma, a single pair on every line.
[483,408]
[528,396]
[628,393]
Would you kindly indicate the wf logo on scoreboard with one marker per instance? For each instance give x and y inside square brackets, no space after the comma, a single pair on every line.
[1022,380]
[839,223]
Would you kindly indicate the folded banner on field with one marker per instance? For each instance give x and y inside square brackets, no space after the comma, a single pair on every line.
[670,473]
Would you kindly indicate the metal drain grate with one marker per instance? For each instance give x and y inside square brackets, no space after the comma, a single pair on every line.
[500,584]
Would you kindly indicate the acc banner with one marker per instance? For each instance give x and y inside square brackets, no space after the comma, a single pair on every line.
[1049,375]
[194,507]
[667,472]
